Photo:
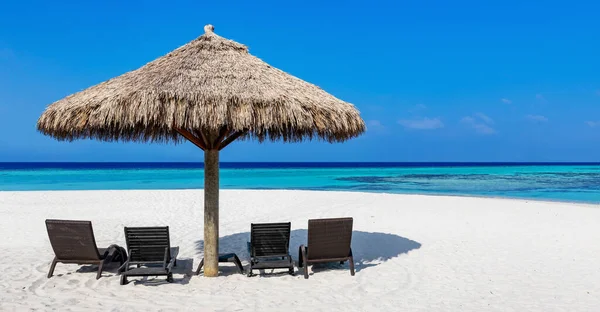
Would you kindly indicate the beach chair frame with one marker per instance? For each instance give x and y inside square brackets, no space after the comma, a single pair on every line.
[73,242]
[149,247]
[329,241]
[269,247]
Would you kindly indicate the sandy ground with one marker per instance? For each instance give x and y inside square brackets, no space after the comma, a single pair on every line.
[412,253]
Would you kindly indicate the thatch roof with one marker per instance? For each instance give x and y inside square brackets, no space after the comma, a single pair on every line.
[210,84]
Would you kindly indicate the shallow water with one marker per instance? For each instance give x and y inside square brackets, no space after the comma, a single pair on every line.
[572,182]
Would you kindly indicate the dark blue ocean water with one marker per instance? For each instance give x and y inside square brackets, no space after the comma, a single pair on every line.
[578,182]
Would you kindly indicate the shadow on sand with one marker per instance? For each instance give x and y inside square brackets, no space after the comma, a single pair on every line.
[369,249]
[182,273]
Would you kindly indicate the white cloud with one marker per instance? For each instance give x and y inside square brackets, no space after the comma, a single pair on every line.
[593,124]
[376,127]
[540,97]
[422,123]
[418,108]
[483,129]
[480,123]
[485,118]
[468,119]
[537,118]
[374,123]
[506,101]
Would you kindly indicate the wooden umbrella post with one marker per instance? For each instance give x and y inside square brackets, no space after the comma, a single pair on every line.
[211,212]
[211,144]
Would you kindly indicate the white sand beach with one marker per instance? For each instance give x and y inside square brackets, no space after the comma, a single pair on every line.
[412,253]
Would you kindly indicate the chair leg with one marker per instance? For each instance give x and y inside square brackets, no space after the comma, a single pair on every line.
[291,270]
[250,274]
[52,266]
[304,260]
[122,268]
[123,280]
[170,278]
[238,263]
[351,259]
[100,267]
[200,266]
[300,260]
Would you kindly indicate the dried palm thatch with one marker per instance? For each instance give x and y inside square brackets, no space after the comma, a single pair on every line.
[210,85]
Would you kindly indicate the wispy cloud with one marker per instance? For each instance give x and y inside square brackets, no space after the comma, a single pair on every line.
[418,108]
[422,123]
[540,97]
[479,122]
[374,123]
[506,101]
[485,118]
[467,119]
[537,118]
[593,124]
[376,126]
[484,129]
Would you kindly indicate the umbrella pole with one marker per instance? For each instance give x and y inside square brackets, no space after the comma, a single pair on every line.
[211,212]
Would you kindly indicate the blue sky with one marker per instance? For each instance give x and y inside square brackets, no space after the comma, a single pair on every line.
[434,80]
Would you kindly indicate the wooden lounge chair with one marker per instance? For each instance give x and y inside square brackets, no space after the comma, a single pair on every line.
[150,252]
[329,241]
[269,247]
[74,242]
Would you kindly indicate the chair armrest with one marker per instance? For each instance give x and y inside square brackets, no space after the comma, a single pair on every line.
[167,254]
[109,254]
[250,249]
[170,265]
[125,265]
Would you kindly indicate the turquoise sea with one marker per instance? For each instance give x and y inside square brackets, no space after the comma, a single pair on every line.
[560,182]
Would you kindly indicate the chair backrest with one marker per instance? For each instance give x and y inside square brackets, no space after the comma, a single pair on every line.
[72,240]
[148,244]
[329,238]
[270,239]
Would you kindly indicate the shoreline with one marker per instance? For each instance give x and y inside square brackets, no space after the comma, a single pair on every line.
[583,203]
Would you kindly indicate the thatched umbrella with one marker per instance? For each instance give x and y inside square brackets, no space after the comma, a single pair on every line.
[211,92]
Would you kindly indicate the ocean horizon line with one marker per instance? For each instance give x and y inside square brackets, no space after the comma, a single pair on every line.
[311,162]
[82,165]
